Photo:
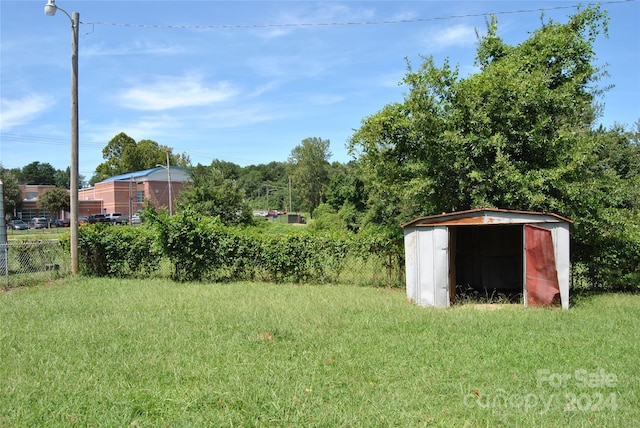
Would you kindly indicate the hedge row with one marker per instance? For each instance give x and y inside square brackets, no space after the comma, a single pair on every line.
[203,249]
[106,250]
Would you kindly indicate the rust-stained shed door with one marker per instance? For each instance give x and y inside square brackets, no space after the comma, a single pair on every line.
[541,274]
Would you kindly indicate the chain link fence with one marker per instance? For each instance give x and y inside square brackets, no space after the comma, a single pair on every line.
[29,263]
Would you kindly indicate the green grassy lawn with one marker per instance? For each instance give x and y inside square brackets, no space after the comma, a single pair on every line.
[35,234]
[99,352]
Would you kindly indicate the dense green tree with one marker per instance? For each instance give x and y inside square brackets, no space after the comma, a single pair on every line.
[309,166]
[346,195]
[212,195]
[345,187]
[519,134]
[266,185]
[389,163]
[11,191]
[114,155]
[38,173]
[54,201]
[63,179]
[122,155]
[501,137]
[229,170]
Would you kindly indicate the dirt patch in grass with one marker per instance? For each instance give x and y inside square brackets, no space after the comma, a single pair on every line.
[491,306]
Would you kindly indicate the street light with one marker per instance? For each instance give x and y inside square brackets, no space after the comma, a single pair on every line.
[50,10]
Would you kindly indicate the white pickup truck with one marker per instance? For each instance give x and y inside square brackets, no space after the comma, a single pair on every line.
[117,218]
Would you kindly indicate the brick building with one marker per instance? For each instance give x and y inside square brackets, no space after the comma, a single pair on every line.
[124,193]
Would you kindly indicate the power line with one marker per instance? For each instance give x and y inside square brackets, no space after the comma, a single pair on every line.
[32,139]
[7,138]
[348,23]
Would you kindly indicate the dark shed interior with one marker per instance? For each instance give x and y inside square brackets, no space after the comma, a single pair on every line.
[488,261]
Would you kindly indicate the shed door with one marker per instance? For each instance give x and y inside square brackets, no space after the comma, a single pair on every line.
[541,274]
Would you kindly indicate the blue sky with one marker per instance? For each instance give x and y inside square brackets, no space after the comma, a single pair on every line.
[246,82]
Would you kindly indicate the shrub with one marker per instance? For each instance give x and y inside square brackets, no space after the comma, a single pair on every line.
[290,257]
[241,253]
[192,243]
[201,248]
[106,250]
[385,243]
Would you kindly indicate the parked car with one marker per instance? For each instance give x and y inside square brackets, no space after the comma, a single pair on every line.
[113,217]
[117,218]
[17,225]
[123,219]
[62,222]
[83,219]
[38,223]
[98,218]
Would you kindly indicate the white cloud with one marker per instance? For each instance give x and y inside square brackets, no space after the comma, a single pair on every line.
[391,79]
[459,35]
[320,14]
[21,111]
[163,128]
[168,92]
[238,116]
[131,48]
[265,88]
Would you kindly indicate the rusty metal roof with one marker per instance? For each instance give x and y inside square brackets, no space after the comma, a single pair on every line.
[479,216]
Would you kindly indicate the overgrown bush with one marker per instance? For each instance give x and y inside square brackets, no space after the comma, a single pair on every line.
[239,256]
[292,257]
[106,250]
[192,243]
[617,266]
[201,248]
[385,243]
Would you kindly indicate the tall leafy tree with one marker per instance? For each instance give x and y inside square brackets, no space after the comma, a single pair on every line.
[115,153]
[309,166]
[123,154]
[259,182]
[63,179]
[506,136]
[11,190]
[54,201]
[212,195]
[38,173]
[518,134]
[346,194]
[229,170]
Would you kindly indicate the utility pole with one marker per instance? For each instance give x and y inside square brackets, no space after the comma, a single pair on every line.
[290,206]
[50,10]
[168,168]
[169,180]
[75,23]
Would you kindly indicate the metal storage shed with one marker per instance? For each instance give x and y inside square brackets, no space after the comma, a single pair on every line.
[488,249]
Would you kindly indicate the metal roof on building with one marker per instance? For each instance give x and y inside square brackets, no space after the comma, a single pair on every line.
[141,174]
[485,216]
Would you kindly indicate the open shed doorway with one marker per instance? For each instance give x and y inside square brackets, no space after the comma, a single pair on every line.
[486,264]
[514,255]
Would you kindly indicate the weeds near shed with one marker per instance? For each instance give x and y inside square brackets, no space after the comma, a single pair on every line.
[468,295]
